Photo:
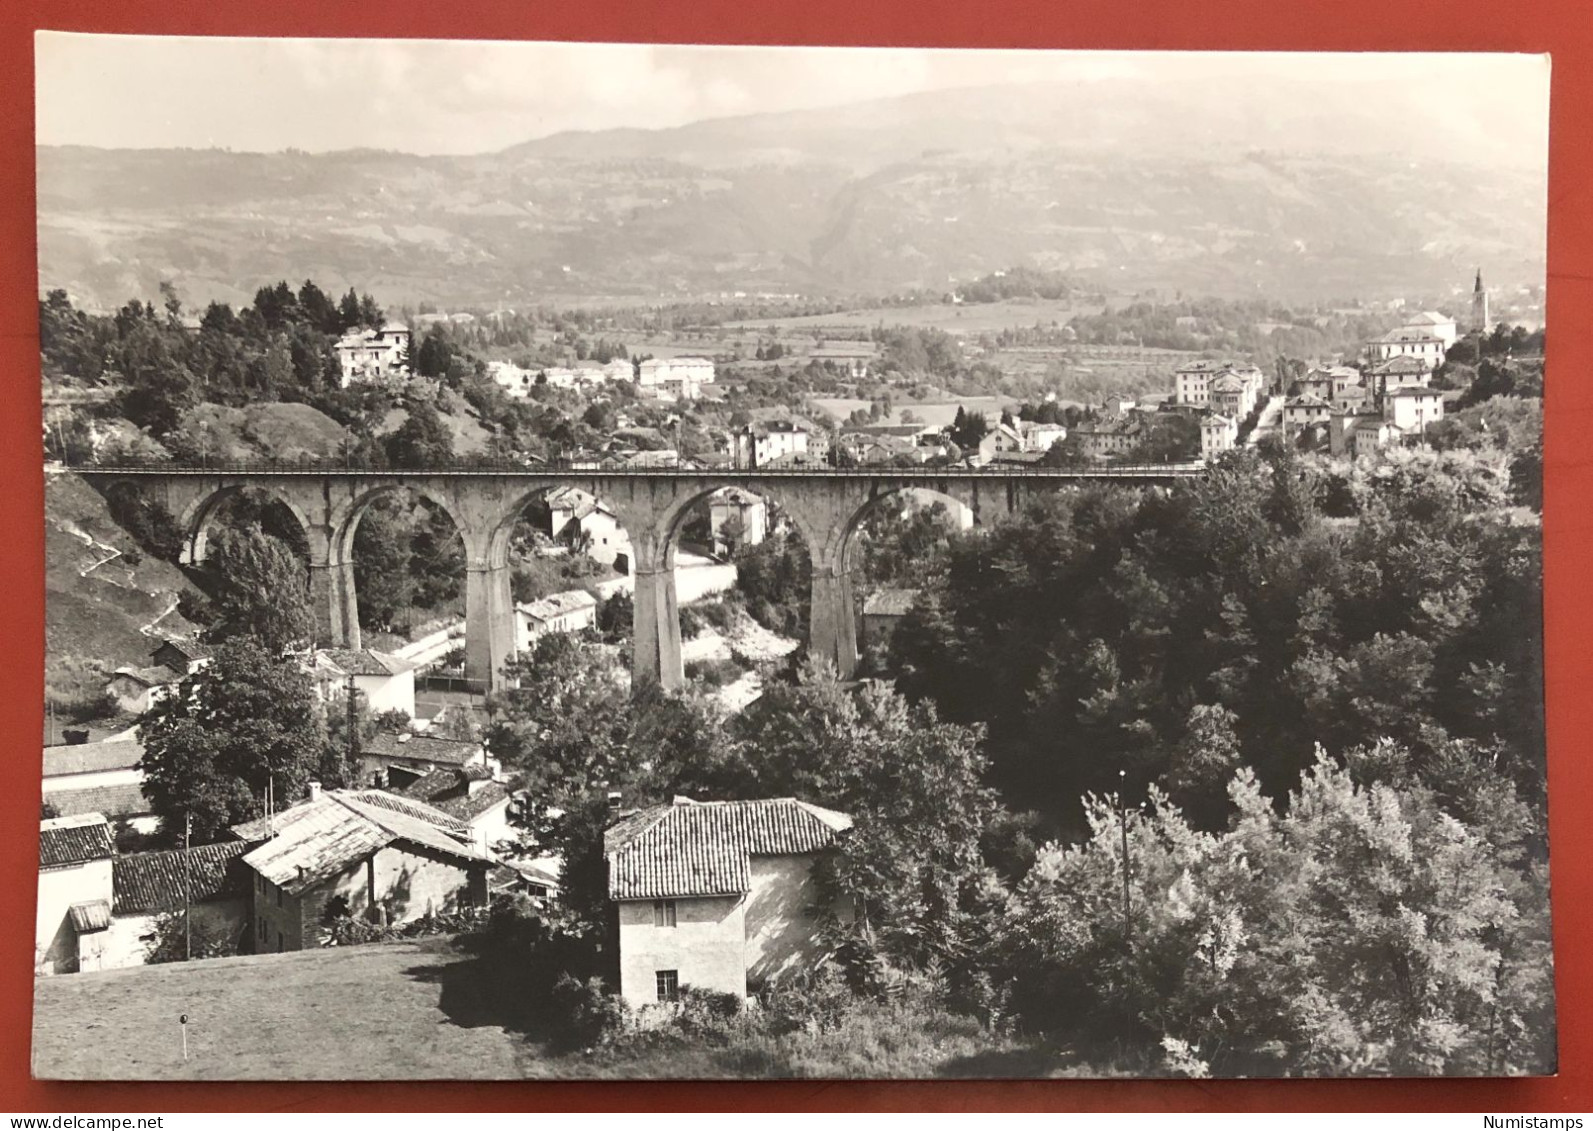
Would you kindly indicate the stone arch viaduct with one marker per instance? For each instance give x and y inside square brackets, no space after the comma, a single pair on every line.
[824,505]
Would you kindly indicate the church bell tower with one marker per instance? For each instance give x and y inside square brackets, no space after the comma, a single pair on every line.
[1479,306]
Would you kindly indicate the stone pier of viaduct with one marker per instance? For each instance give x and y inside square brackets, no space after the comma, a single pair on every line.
[825,506]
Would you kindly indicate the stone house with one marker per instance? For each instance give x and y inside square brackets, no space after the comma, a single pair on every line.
[393,759]
[1304,412]
[74,903]
[210,879]
[570,611]
[387,682]
[136,690]
[883,610]
[362,853]
[1413,410]
[736,518]
[99,777]
[182,657]
[717,895]
[575,515]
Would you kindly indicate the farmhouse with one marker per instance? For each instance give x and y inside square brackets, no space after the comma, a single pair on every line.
[386,682]
[362,853]
[210,880]
[716,895]
[102,778]
[569,611]
[882,612]
[394,759]
[736,518]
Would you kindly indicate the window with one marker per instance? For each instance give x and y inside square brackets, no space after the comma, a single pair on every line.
[279,897]
[668,985]
[260,929]
[663,912]
[279,940]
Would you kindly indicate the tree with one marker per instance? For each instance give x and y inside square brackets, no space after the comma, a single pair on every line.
[1359,929]
[245,722]
[383,563]
[423,440]
[912,863]
[257,589]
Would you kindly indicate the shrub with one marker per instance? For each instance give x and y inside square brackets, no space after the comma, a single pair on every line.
[587,1013]
[714,672]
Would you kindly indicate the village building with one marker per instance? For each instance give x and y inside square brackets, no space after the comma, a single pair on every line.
[682,377]
[1398,373]
[393,759]
[386,682]
[589,525]
[570,611]
[1300,413]
[717,895]
[1192,382]
[364,854]
[1038,437]
[74,909]
[1109,436]
[483,806]
[1232,395]
[1413,410]
[373,355]
[757,445]
[883,610]
[514,381]
[209,880]
[1440,326]
[182,657]
[136,690]
[1218,434]
[102,778]
[736,518]
[1408,341]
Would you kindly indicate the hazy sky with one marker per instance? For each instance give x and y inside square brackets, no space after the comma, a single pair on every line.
[440,96]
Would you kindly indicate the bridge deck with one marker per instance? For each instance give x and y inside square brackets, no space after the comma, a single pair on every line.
[476,470]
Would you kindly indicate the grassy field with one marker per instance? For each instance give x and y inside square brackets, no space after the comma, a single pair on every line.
[427,1011]
[395,1011]
[976,318]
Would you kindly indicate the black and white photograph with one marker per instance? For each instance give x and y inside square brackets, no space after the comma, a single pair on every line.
[635,561]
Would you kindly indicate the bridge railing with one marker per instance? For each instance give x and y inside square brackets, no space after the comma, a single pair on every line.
[497,466]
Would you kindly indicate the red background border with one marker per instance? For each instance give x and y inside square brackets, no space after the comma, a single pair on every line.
[1561,27]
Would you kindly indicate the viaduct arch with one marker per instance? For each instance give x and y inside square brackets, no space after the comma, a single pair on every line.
[650,504]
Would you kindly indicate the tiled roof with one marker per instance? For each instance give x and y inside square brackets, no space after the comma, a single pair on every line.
[1404,363]
[421,748]
[323,838]
[149,677]
[890,602]
[364,661]
[409,807]
[154,881]
[469,806]
[1413,391]
[75,840]
[695,848]
[114,801]
[92,757]
[93,915]
[559,604]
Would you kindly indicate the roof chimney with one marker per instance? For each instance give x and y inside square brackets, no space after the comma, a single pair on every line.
[315,791]
[614,799]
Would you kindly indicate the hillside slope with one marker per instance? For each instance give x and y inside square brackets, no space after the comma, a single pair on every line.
[103,597]
[1172,191]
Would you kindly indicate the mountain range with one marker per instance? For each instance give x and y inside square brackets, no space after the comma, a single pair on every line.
[1314,190]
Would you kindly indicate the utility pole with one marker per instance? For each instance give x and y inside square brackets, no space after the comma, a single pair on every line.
[353,732]
[188,935]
